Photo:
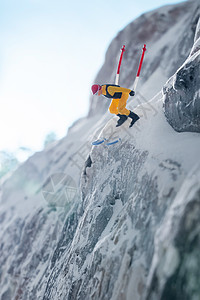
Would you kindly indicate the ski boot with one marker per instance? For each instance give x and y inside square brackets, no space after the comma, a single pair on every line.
[134,118]
[122,119]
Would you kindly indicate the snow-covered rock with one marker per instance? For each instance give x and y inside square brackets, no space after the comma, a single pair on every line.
[182,92]
[113,222]
[175,269]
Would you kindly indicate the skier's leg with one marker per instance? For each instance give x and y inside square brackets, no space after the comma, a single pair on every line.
[122,105]
[122,119]
[114,110]
[114,106]
[123,110]
[134,118]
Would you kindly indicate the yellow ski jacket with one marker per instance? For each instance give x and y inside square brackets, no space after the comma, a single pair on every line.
[114,91]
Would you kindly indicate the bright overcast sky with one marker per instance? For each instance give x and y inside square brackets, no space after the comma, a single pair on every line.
[50,53]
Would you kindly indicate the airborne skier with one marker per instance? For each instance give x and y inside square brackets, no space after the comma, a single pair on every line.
[119,95]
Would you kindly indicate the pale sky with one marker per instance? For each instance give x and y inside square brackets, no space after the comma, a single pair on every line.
[50,52]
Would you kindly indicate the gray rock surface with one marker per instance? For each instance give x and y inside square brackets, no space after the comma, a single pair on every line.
[182,92]
[175,269]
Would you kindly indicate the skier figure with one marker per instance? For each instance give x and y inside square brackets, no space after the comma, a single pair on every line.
[119,96]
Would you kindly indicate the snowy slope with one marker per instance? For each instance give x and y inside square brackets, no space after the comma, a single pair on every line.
[126,193]
[132,230]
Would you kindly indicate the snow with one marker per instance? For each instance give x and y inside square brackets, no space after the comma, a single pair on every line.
[175,153]
[161,140]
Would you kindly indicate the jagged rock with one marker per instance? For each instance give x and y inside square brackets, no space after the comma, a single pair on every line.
[175,269]
[182,93]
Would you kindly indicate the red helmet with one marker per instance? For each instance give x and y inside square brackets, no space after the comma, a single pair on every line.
[95,88]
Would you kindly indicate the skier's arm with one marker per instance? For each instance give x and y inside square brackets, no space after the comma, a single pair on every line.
[116,89]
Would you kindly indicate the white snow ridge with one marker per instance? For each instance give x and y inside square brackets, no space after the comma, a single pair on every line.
[118,222]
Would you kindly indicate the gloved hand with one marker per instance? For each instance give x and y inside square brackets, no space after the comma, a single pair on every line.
[132,93]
